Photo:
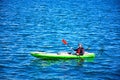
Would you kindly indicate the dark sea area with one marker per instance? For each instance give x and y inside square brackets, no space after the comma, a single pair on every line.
[40,25]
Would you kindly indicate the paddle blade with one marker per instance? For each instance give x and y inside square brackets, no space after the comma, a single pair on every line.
[64,41]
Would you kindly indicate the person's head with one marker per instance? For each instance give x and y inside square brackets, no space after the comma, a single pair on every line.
[79,45]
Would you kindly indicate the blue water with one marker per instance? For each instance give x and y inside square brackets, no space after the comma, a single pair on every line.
[40,25]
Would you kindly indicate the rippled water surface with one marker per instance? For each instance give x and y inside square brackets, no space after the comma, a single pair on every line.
[40,25]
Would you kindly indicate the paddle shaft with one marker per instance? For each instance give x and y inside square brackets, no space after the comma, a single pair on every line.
[70,47]
[65,42]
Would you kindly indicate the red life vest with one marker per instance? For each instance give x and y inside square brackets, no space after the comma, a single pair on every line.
[80,51]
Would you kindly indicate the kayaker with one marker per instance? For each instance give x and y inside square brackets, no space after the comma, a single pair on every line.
[79,50]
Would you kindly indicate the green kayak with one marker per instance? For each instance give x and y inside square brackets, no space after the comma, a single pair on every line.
[44,55]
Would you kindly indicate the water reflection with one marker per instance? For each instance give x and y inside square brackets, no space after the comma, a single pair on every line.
[47,63]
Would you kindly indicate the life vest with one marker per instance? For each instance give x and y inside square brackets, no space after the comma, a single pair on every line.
[80,51]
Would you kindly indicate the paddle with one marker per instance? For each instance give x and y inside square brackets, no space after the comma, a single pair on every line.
[101,52]
[88,48]
[65,42]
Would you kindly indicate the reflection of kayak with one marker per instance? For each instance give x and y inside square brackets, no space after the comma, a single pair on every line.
[44,55]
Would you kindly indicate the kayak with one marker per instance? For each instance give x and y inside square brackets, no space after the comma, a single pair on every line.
[44,55]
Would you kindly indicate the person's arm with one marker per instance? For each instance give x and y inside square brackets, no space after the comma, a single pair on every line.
[75,49]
